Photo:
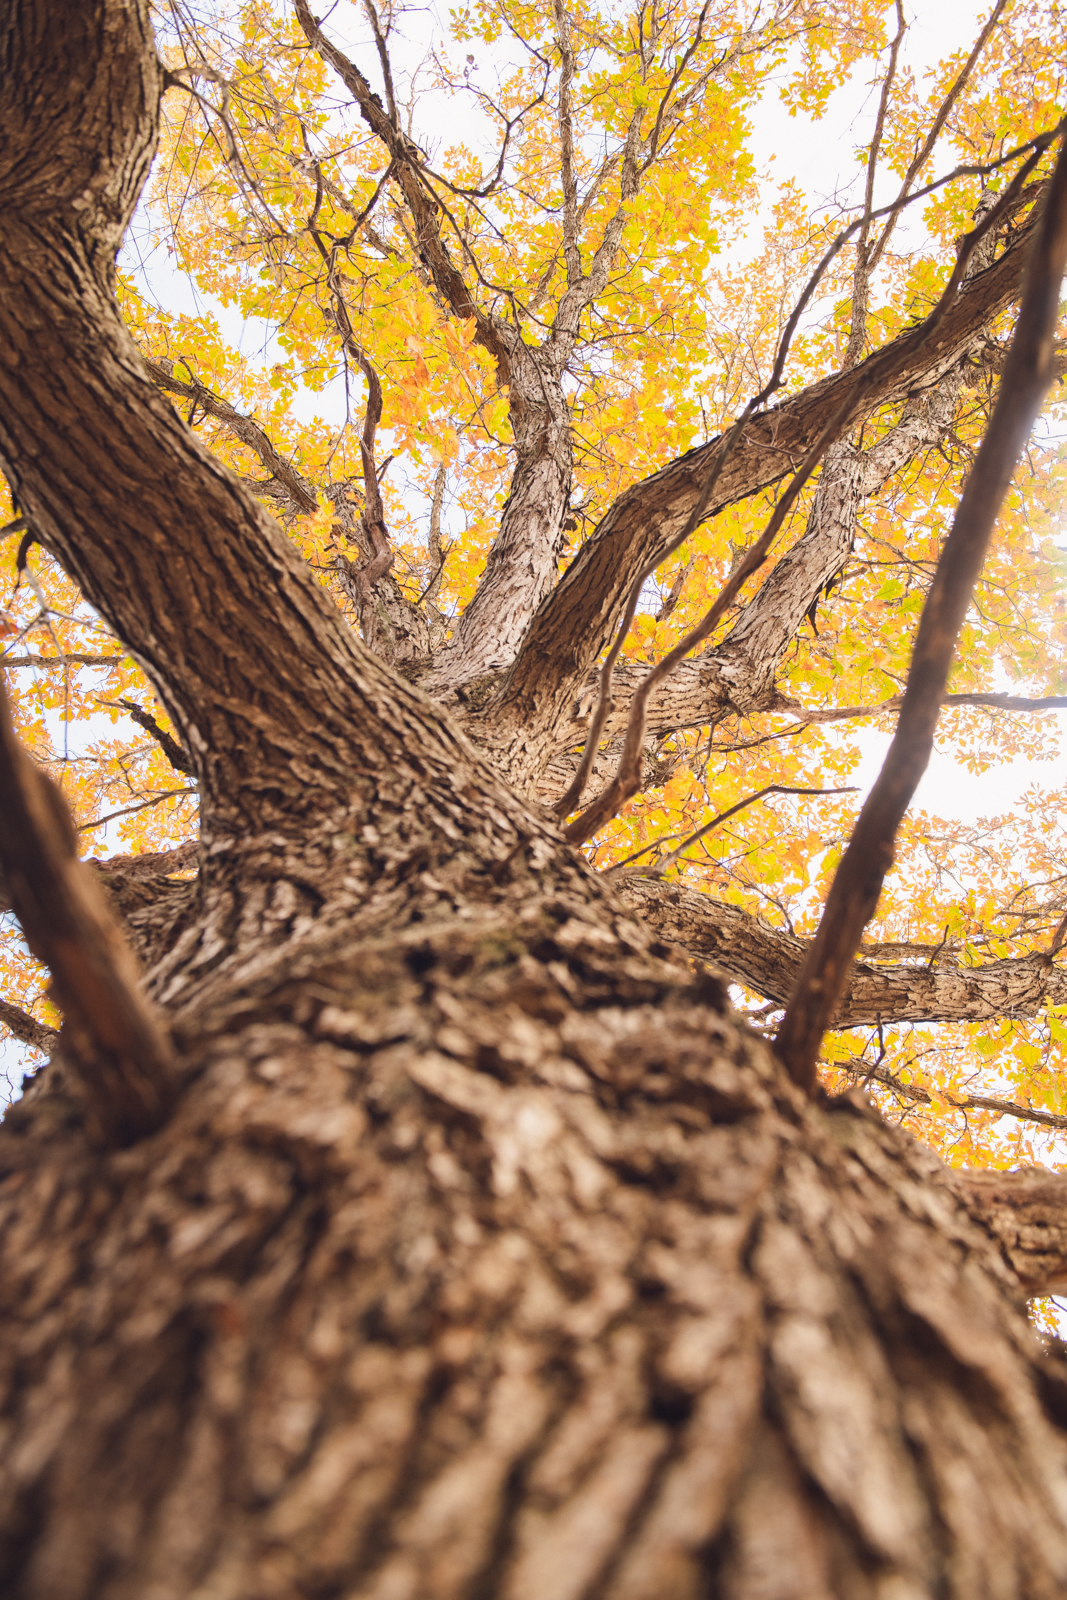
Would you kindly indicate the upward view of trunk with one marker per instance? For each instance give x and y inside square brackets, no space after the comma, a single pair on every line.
[484,1254]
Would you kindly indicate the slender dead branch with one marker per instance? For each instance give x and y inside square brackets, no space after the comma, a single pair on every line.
[854,894]
[117,1045]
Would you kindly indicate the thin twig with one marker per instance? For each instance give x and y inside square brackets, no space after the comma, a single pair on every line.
[992,702]
[854,894]
[168,794]
[924,154]
[861,274]
[723,816]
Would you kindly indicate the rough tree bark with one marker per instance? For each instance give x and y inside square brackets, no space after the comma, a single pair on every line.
[484,1253]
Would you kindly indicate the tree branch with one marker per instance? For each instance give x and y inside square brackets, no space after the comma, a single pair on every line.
[422,204]
[571,253]
[22,1026]
[995,702]
[627,779]
[768,961]
[166,741]
[296,489]
[926,150]
[61,661]
[964,1102]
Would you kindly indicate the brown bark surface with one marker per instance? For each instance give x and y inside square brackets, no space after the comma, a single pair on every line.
[484,1253]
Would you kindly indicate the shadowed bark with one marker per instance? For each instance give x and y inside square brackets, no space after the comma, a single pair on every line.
[484,1252]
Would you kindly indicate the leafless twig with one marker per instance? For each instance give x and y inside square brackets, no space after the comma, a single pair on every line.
[128,811]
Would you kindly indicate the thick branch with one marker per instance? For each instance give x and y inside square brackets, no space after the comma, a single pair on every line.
[244,648]
[574,623]
[117,1045]
[768,961]
[738,676]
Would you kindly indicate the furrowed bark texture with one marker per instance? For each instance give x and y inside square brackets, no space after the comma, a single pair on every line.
[484,1254]
[522,564]
[443,1284]
[1024,1211]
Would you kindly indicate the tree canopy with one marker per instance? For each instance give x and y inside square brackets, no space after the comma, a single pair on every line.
[526,243]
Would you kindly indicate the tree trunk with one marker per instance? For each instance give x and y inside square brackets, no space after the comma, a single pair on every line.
[485,1254]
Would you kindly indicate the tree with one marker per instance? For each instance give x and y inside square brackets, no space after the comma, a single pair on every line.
[420,1224]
